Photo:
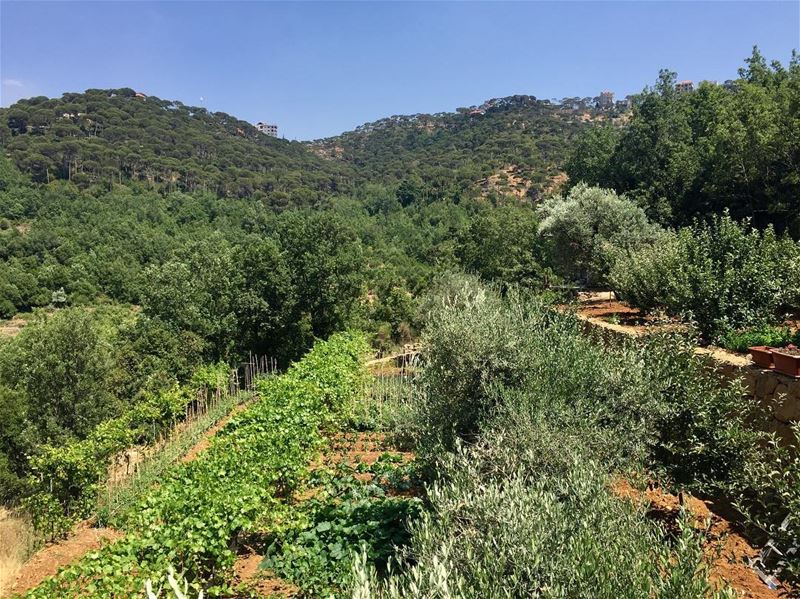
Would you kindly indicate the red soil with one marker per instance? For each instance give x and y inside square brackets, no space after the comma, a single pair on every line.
[730,566]
[49,560]
[261,583]
[348,448]
[361,448]
[623,315]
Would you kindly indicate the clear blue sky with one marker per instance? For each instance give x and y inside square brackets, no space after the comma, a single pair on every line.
[318,69]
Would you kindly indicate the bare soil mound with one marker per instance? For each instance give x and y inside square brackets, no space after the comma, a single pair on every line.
[50,559]
[261,583]
[722,540]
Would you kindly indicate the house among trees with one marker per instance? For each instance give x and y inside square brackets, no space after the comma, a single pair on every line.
[267,129]
[606,100]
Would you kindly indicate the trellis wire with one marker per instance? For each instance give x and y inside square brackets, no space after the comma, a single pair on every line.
[124,468]
[386,388]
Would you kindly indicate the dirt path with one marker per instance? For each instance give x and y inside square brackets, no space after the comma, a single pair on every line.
[12,327]
[731,565]
[205,442]
[50,559]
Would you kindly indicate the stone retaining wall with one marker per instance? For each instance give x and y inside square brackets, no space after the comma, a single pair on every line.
[777,394]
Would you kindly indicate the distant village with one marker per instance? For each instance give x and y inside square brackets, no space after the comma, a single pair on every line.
[605,102]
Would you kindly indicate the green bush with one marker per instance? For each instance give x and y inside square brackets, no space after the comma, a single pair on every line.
[473,342]
[720,275]
[64,480]
[559,534]
[530,396]
[478,344]
[315,549]
[769,497]
[586,228]
[769,335]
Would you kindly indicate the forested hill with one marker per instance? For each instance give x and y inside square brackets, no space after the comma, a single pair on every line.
[515,145]
[512,145]
[101,137]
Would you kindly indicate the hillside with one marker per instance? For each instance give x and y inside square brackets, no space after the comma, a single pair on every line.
[162,259]
[107,136]
[515,144]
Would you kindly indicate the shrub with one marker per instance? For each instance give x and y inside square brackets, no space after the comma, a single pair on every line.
[769,497]
[314,546]
[720,274]
[704,431]
[11,485]
[588,227]
[770,335]
[485,354]
[528,535]
[65,480]
[519,389]
[472,343]
[489,358]
[647,277]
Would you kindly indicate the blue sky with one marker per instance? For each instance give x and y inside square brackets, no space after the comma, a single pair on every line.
[318,69]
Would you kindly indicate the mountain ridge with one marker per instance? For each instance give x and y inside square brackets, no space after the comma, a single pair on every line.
[115,135]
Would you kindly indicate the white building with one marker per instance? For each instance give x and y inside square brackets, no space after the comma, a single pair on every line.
[267,129]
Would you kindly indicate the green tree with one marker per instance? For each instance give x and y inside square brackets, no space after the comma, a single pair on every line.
[325,260]
[194,291]
[681,156]
[504,245]
[265,299]
[587,228]
[62,366]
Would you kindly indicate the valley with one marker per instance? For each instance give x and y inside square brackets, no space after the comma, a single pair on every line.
[233,365]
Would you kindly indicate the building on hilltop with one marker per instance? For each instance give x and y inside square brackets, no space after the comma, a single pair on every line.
[606,99]
[684,87]
[268,129]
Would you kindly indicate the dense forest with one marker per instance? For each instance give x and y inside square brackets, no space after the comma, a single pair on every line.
[102,137]
[98,186]
[520,140]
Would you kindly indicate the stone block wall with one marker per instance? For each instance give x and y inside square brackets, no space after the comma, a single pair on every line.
[778,395]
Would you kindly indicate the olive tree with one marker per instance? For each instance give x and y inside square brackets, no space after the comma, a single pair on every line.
[587,228]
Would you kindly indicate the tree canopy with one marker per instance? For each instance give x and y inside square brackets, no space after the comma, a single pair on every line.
[683,155]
